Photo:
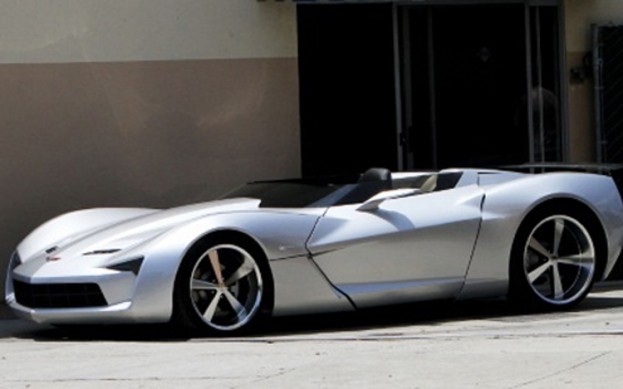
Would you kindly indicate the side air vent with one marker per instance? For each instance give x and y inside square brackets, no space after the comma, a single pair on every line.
[102,252]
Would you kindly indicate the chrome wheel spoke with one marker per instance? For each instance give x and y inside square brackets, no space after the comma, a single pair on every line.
[557,282]
[216,266]
[559,228]
[240,310]
[244,270]
[203,285]
[208,315]
[538,247]
[538,272]
[576,260]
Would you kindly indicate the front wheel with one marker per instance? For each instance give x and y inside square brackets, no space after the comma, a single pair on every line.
[554,259]
[221,287]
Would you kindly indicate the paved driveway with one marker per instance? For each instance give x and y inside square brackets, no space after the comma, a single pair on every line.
[450,345]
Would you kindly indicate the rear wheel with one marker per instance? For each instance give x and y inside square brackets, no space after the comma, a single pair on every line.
[221,287]
[555,259]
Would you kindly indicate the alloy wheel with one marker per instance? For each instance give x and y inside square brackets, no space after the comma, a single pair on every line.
[559,260]
[226,287]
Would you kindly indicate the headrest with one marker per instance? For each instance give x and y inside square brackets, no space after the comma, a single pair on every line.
[375,175]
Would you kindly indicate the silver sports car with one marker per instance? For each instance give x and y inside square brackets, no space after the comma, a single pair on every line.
[305,246]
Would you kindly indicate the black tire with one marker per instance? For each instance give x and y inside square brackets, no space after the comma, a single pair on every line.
[555,258]
[229,303]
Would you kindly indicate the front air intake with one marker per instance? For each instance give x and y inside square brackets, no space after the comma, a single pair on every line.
[58,295]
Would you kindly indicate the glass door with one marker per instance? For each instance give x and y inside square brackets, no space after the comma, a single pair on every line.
[481,85]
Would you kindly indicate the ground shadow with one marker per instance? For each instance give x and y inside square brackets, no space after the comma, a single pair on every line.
[385,318]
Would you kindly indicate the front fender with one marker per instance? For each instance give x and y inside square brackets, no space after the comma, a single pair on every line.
[279,234]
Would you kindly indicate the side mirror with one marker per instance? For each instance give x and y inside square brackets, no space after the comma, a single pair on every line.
[373,203]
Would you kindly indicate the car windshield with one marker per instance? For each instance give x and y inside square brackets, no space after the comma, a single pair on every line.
[293,193]
[311,193]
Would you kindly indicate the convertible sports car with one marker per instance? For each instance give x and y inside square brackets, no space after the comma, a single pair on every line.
[302,246]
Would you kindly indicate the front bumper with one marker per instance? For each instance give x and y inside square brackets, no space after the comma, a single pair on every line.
[88,295]
[67,302]
[113,314]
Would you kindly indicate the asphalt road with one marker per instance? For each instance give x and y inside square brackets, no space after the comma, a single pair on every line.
[485,344]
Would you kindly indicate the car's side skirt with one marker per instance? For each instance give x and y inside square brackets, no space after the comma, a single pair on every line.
[385,293]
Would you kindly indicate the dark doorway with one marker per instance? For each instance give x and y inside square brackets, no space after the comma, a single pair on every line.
[428,86]
[607,54]
[545,91]
[466,69]
[347,88]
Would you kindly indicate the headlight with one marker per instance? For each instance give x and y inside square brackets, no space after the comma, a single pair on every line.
[14,262]
[133,265]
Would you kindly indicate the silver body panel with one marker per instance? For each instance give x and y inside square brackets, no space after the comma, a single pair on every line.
[453,243]
[410,248]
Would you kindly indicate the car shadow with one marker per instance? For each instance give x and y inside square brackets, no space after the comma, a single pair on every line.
[429,313]
[381,319]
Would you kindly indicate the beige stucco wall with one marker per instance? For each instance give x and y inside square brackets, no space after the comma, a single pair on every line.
[579,16]
[44,31]
[140,103]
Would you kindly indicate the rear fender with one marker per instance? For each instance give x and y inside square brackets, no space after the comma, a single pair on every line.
[506,206]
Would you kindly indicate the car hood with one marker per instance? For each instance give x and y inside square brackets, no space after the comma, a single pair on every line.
[112,241]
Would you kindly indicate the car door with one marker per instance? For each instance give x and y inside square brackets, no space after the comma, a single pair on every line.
[408,249]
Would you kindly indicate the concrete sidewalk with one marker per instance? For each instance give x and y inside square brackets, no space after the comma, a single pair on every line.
[462,345]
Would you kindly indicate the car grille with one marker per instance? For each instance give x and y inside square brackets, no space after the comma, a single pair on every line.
[58,295]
